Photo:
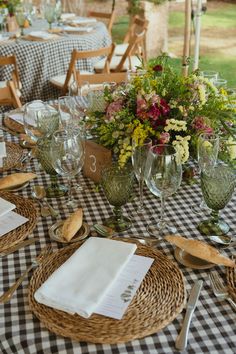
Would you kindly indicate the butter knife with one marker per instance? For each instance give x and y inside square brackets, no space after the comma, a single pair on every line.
[182,339]
[17,247]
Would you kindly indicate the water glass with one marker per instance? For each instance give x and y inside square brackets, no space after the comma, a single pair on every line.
[220,83]
[210,75]
[49,14]
[117,185]
[217,186]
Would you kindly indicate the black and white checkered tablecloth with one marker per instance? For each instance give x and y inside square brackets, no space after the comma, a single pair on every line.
[38,62]
[213,328]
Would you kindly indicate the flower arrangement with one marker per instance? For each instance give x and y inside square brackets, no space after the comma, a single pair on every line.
[163,105]
[10,5]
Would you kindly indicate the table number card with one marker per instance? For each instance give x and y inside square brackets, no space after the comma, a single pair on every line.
[96,157]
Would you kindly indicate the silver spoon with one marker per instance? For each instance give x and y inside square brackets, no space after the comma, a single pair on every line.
[222,240]
[39,193]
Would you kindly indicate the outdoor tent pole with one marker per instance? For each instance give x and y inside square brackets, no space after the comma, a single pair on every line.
[187,32]
[197,35]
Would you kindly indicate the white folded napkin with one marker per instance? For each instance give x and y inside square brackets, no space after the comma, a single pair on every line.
[3,152]
[80,284]
[17,117]
[5,206]
[42,35]
[82,20]
[77,29]
[66,16]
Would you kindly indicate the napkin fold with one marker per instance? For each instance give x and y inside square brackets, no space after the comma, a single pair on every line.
[77,29]
[5,206]
[41,35]
[80,284]
[83,20]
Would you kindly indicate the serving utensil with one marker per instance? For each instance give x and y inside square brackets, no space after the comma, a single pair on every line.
[17,247]
[39,259]
[39,194]
[223,240]
[220,290]
[182,339]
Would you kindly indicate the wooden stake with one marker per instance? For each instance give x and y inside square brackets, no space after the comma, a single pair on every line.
[187,33]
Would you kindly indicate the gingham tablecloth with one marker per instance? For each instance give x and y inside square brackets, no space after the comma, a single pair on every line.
[213,328]
[38,61]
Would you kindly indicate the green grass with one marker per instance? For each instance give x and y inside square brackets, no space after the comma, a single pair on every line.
[119,29]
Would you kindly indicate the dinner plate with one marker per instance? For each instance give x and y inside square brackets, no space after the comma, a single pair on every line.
[55,233]
[190,261]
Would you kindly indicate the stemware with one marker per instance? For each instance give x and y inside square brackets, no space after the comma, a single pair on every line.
[163,175]
[64,107]
[20,18]
[49,14]
[67,152]
[39,120]
[217,184]
[210,75]
[139,158]
[117,185]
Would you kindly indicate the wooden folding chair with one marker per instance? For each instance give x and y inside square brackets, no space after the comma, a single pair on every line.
[109,17]
[15,77]
[8,95]
[127,61]
[62,82]
[137,25]
[95,79]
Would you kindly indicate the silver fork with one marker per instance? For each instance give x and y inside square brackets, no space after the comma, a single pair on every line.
[9,293]
[220,290]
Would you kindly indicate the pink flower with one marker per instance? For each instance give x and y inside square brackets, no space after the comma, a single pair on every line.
[200,124]
[113,108]
[164,138]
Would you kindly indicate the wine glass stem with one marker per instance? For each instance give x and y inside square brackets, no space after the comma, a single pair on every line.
[22,31]
[215,215]
[162,222]
[140,193]
[69,189]
[54,181]
[118,212]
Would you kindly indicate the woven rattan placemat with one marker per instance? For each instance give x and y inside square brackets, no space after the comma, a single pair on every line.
[25,208]
[231,281]
[158,301]
[13,125]
[13,158]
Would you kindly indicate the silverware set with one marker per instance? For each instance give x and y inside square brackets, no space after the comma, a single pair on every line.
[220,290]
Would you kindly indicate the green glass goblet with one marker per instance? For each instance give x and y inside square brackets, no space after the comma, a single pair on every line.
[43,154]
[118,184]
[217,184]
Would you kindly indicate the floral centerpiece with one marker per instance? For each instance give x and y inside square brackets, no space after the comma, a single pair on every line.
[10,5]
[163,105]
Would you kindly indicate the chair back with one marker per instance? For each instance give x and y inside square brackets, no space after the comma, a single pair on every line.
[137,25]
[8,96]
[15,77]
[79,55]
[109,17]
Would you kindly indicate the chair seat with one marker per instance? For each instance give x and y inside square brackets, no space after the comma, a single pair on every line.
[121,48]
[4,84]
[59,80]
[115,61]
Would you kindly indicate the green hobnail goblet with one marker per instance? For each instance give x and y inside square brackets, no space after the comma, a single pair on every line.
[117,185]
[217,184]
[43,154]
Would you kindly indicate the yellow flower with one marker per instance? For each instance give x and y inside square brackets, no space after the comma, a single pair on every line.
[182,147]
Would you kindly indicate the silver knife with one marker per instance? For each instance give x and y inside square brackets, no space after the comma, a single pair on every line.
[17,247]
[182,339]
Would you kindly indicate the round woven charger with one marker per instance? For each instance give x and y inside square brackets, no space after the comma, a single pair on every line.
[25,208]
[159,299]
[13,158]
[231,281]
[13,125]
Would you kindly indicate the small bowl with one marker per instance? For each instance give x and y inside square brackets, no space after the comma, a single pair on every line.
[190,261]
[55,233]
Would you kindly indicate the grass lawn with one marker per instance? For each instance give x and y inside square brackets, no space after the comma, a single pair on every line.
[218,38]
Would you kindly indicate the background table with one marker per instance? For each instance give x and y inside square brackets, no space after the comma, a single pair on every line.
[213,326]
[39,61]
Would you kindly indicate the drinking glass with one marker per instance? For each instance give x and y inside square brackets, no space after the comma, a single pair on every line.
[117,185]
[49,14]
[40,120]
[163,175]
[210,75]
[67,152]
[220,83]
[43,154]
[20,19]
[139,158]
[227,152]
[58,11]
[64,107]
[217,186]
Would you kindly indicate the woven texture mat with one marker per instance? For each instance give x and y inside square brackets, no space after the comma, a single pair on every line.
[159,299]
[231,281]
[25,208]
[14,156]
[13,125]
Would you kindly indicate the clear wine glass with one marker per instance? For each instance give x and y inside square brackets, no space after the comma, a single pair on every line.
[217,184]
[139,158]
[40,120]
[163,175]
[64,107]
[67,152]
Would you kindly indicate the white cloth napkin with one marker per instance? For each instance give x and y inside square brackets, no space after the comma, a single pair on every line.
[80,284]
[5,206]
[67,16]
[3,152]
[42,35]
[77,29]
[83,20]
